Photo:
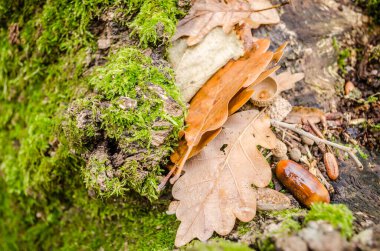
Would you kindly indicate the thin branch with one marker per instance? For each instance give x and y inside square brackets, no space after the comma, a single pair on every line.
[298,130]
[318,133]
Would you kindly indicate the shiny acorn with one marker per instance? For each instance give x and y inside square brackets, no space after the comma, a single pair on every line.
[305,187]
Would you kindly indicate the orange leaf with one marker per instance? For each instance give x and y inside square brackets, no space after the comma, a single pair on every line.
[209,107]
[245,93]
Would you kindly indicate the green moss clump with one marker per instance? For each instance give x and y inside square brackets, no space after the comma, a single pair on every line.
[216,245]
[243,228]
[338,216]
[128,127]
[155,22]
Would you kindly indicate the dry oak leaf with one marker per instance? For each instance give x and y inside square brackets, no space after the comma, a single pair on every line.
[245,93]
[286,80]
[304,115]
[217,185]
[267,90]
[267,200]
[205,15]
[209,108]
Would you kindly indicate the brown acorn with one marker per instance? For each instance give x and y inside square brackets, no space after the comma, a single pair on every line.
[331,165]
[305,187]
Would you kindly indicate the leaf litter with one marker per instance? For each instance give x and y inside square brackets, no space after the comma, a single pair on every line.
[217,186]
[219,67]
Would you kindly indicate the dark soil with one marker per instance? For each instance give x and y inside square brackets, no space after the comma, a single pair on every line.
[363,70]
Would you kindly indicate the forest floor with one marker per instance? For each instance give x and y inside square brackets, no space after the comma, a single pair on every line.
[332,42]
[346,51]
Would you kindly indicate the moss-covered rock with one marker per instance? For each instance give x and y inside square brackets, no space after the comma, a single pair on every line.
[126,129]
[44,203]
[339,216]
[276,229]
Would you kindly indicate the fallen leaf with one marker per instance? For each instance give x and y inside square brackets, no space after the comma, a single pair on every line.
[264,93]
[286,80]
[279,52]
[302,115]
[205,15]
[269,16]
[245,93]
[267,200]
[217,185]
[244,32]
[209,108]
[194,65]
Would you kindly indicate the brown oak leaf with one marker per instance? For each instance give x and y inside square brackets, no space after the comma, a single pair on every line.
[209,108]
[205,15]
[306,115]
[217,185]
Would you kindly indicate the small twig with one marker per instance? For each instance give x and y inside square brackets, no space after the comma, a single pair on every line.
[283,134]
[286,133]
[357,161]
[294,137]
[318,133]
[309,155]
[288,143]
[298,130]
[166,179]
[323,180]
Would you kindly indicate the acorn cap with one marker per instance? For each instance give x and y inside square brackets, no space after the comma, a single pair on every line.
[264,92]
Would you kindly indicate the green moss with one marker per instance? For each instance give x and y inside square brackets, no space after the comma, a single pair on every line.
[285,225]
[243,228]
[288,213]
[216,245]
[338,216]
[128,109]
[44,203]
[155,22]
[343,55]
[360,151]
